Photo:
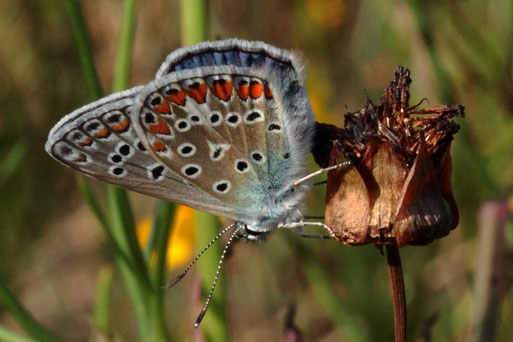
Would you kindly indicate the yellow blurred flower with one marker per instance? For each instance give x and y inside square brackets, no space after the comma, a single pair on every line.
[319,91]
[327,14]
[180,247]
[183,236]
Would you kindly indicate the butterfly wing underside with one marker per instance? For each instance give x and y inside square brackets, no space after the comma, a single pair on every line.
[99,141]
[239,131]
[223,127]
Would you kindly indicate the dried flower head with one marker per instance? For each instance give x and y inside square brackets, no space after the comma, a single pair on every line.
[399,190]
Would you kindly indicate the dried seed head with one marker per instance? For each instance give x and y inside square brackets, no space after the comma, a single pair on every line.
[399,191]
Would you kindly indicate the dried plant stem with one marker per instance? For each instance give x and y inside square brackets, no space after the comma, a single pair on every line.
[396,279]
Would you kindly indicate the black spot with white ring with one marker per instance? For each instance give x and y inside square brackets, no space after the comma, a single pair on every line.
[274,127]
[191,170]
[114,118]
[156,100]
[186,150]
[222,187]
[257,157]
[140,146]
[115,158]
[195,119]
[215,118]
[92,126]
[117,171]
[253,116]
[241,166]
[233,119]
[182,125]
[149,118]
[125,150]
[156,172]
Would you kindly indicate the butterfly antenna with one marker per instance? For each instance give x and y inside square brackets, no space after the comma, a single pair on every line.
[209,297]
[177,279]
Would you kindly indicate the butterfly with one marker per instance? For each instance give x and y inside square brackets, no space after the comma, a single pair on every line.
[225,127]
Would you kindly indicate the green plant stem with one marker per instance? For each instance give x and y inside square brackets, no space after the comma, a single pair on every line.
[9,336]
[125,43]
[102,307]
[162,227]
[398,293]
[193,22]
[214,324]
[83,43]
[22,316]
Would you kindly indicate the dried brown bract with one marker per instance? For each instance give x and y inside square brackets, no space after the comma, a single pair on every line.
[399,190]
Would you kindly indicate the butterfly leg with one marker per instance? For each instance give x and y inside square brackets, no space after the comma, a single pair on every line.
[299,225]
[318,172]
[320,183]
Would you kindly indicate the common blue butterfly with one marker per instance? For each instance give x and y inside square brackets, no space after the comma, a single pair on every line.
[225,127]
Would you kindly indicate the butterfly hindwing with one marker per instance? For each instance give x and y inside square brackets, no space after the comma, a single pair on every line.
[239,123]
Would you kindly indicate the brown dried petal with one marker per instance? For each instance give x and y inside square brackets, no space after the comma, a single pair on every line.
[427,209]
[361,201]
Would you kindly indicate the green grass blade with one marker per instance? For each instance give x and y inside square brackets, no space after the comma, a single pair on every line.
[84,48]
[102,307]
[125,43]
[22,316]
[194,30]
[9,336]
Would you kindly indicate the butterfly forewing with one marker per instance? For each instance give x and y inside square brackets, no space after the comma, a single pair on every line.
[99,140]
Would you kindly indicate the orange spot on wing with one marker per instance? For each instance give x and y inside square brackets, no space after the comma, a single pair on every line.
[223,89]
[267,92]
[86,142]
[163,108]
[159,146]
[243,92]
[121,127]
[161,127]
[178,97]
[198,92]
[103,133]
[255,90]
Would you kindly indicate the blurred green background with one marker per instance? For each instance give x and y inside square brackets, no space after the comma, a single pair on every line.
[52,248]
